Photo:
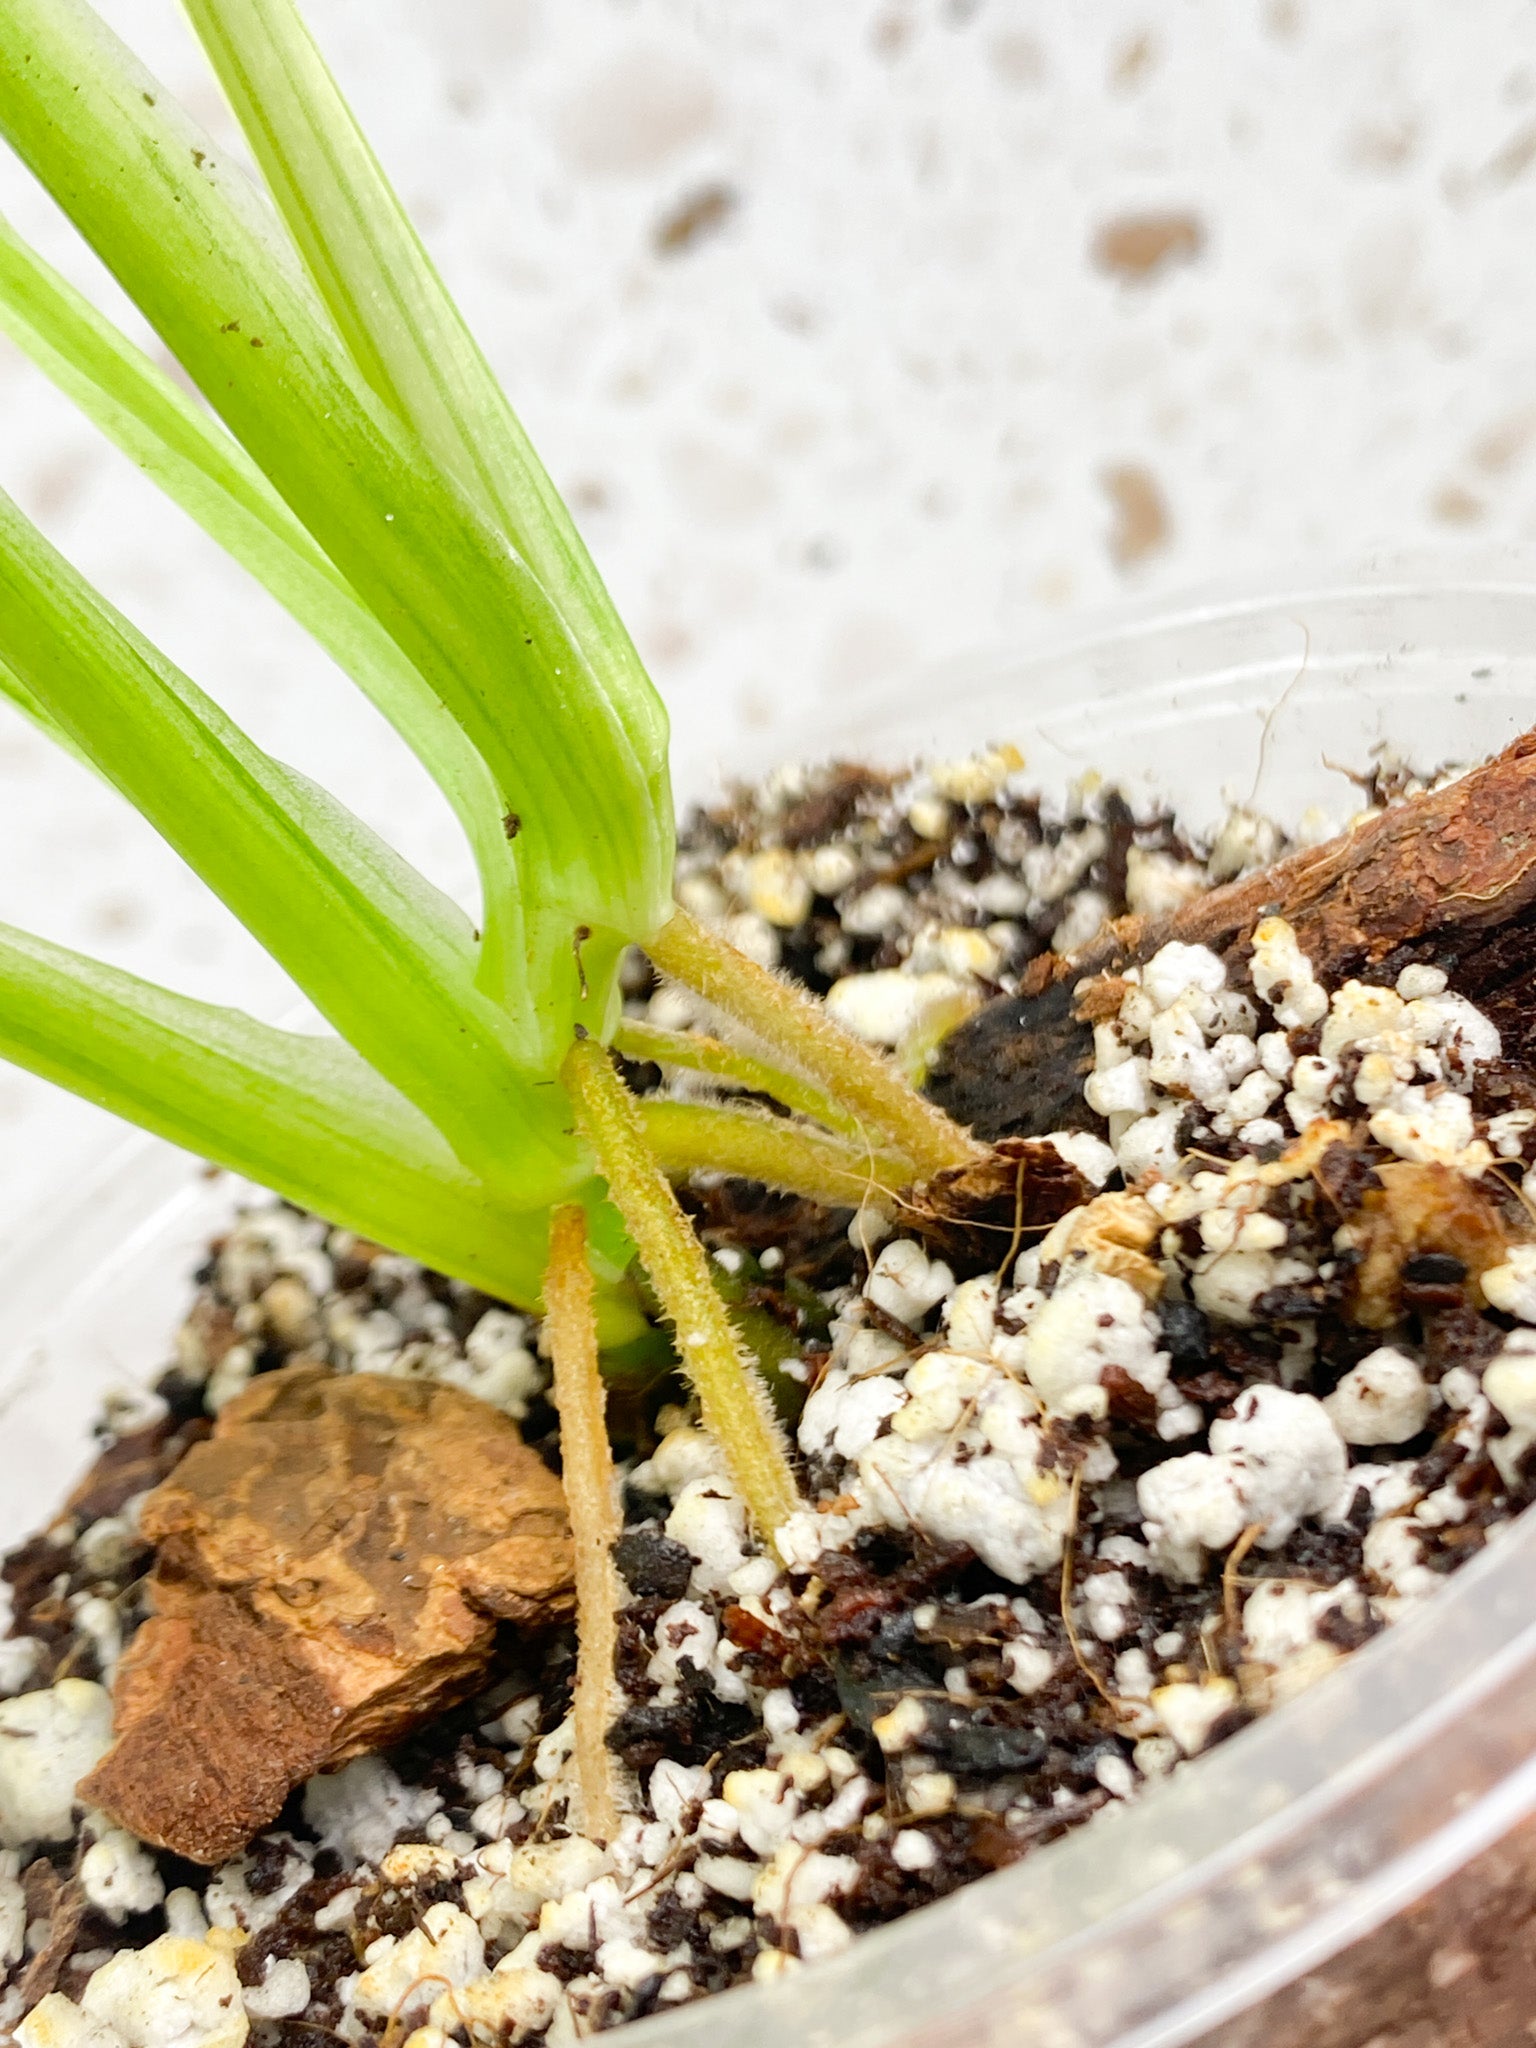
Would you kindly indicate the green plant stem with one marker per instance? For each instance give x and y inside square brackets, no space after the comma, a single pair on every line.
[388,960]
[800,1031]
[181,448]
[303,1115]
[413,346]
[699,1054]
[570,1333]
[202,256]
[735,1406]
[402,327]
[701,1137]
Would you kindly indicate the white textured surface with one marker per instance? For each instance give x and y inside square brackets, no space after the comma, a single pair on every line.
[867,421]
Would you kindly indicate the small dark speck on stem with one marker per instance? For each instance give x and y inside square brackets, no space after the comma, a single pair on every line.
[511,824]
[149,98]
[257,342]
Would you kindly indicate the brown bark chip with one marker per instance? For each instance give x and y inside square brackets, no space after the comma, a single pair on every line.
[1447,878]
[331,1566]
[62,1906]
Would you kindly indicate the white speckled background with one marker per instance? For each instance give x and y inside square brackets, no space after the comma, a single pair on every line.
[888,402]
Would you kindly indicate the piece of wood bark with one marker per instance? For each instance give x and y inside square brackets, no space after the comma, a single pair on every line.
[62,1904]
[330,1570]
[1447,879]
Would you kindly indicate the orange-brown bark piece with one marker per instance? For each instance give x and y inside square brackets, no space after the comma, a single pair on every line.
[1436,873]
[331,1567]
[1447,878]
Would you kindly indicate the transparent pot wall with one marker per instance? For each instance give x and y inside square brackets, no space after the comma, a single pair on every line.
[1339,1816]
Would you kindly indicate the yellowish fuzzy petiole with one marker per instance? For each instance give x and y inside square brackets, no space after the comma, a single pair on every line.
[700,1054]
[799,1030]
[701,1137]
[733,1401]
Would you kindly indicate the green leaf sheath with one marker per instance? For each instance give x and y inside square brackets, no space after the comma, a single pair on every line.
[191,458]
[402,327]
[384,957]
[198,251]
[302,1115]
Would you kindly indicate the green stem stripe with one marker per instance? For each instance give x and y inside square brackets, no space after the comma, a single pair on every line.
[386,958]
[403,329]
[301,1115]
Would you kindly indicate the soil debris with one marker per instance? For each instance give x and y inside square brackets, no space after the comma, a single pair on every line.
[1427,1229]
[1017,1191]
[59,1907]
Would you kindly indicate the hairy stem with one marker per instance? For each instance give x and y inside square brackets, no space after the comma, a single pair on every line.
[799,1030]
[703,1055]
[700,1137]
[735,1405]
[570,1330]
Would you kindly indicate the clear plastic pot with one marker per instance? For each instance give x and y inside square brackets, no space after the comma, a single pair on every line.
[1359,1867]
